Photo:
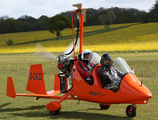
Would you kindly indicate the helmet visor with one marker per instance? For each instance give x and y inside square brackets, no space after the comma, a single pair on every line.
[109,61]
[87,56]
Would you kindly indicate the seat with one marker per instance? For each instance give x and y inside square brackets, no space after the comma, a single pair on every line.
[95,76]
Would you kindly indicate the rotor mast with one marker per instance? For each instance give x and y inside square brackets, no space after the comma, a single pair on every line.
[80,16]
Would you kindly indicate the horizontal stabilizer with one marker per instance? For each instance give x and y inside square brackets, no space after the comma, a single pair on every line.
[48,95]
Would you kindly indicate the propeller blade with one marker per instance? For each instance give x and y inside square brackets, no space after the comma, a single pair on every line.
[42,51]
[69,50]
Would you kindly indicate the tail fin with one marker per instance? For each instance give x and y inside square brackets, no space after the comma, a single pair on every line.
[10,88]
[35,81]
[56,82]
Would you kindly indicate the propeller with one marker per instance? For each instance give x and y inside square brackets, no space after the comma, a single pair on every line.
[69,50]
[43,52]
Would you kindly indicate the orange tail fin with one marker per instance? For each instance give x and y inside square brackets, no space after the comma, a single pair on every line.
[35,81]
[10,88]
[56,82]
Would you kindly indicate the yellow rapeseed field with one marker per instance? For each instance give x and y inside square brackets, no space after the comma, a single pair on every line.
[137,37]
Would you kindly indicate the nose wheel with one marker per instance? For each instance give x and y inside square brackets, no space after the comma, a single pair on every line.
[104,106]
[55,112]
[131,110]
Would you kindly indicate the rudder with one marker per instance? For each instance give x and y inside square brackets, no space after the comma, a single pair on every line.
[35,82]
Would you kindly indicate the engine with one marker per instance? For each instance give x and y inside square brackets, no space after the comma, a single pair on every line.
[64,64]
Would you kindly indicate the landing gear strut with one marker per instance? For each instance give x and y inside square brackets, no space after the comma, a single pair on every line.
[131,110]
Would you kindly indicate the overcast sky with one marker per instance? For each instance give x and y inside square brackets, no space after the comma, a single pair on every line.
[37,8]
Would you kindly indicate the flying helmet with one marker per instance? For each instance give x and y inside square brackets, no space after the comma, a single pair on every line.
[86,55]
[106,57]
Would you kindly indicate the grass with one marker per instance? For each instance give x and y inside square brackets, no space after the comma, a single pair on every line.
[28,108]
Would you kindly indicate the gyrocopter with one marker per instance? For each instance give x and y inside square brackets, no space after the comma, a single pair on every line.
[131,90]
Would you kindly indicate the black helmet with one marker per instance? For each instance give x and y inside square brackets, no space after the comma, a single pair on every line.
[106,57]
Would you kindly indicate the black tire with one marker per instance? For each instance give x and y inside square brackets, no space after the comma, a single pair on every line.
[104,107]
[55,112]
[131,113]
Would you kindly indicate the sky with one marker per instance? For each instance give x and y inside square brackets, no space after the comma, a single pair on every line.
[37,8]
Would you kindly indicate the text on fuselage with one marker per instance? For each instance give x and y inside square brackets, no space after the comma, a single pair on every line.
[96,94]
[36,76]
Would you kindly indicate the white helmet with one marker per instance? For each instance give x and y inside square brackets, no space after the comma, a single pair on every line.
[86,52]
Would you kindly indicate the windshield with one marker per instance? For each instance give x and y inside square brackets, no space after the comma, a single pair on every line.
[96,57]
[121,64]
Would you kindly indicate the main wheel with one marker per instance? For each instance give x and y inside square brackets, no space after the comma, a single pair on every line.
[129,112]
[55,112]
[104,106]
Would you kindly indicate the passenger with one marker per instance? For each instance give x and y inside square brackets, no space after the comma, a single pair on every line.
[109,75]
[86,65]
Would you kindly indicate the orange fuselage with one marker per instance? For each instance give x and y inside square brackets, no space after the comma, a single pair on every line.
[130,91]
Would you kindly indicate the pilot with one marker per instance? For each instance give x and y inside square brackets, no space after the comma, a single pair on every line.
[85,66]
[109,75]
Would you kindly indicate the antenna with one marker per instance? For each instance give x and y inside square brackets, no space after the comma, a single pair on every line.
[142,77]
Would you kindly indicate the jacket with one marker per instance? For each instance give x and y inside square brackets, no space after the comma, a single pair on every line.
[85,68]
[108,74]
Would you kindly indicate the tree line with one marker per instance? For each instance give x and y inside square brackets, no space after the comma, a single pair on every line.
[123,15]
[23,24]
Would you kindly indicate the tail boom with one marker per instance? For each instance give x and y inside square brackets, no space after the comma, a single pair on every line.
[11,91]
[36,84]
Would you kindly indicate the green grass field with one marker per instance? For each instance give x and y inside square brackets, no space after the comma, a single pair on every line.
[28,108]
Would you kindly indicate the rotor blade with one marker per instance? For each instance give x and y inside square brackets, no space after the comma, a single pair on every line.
[70,48]
[42,51]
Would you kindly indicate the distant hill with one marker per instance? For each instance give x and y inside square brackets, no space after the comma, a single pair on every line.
[120,37]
